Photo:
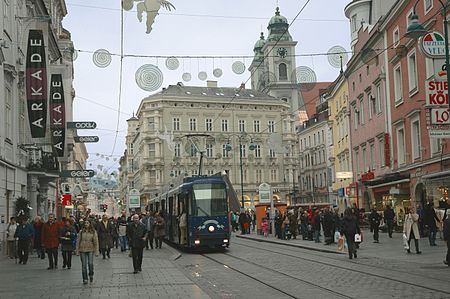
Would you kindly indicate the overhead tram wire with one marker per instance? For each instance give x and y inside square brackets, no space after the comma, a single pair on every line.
[101,105]
[262,61]
[120,80]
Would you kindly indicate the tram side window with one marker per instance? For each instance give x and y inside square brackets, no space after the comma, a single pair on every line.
[209,200]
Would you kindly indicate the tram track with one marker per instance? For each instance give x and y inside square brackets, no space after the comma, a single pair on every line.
[391,279]
[337,294]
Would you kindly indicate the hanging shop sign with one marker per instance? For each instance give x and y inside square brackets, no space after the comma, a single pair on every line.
[387,150]
[36,83]
[81,173]
[86,139]
[433,45]
[265,193]
[437,104]
[134,199]
[57,114]
[81,125]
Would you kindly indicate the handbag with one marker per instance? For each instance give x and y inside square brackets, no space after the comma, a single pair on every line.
[341,244]
[357,238]
[405,242]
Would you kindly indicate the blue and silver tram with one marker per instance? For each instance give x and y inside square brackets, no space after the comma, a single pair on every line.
[205,202]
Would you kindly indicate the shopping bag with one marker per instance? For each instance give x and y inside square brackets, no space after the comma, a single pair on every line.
[357,238]
[337,236]
[341,244]
[405,242]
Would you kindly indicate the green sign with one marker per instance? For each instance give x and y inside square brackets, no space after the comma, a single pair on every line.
[134,199]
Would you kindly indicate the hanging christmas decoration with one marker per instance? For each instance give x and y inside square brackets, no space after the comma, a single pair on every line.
[217,73]
[101,58]
[172,63]
[202,76]
[186,77]
[337,56]
[238,67]
[151,8]
[127,5]
[149,77]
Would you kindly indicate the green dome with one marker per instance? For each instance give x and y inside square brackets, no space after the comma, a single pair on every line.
[260,43]
[278,28]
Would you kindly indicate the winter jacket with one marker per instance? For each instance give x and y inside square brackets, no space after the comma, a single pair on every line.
[135,233]
[105,234]
[350,227]
[66,235]
[374,219]
[87,241]
[24,231]
[389,215]
[50,235]
[411,223]
[160,227]
[447,229]
[10,231]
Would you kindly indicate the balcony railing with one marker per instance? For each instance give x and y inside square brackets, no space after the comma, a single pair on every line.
[41,161]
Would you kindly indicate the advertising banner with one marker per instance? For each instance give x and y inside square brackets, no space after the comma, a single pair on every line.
[57,114]
[36,83]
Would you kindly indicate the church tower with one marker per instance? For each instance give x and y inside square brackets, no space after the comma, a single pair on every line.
[279,78]
[257,66]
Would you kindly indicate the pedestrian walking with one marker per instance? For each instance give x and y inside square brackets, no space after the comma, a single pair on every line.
[327,226]
[105,236]
[349,229]
[11,239]
[136,233]
[123,239]
[50,241]
[447,237]
[115,232]
[37,244]
[430,219]
[149,223]
[87,246]
[411,228]
[183,227]
[24,234]
[316,226]
[160,229]
[66,235]
[389,216]
[375,220]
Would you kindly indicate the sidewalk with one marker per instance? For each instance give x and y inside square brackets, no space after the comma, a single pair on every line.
[391,248]
[113,278]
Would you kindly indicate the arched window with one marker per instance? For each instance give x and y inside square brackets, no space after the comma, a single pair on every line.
[282,71]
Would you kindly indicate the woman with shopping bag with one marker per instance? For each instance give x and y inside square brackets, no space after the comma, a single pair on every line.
[350,229]
[411,228]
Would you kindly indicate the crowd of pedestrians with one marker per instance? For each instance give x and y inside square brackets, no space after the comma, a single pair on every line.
[85,237]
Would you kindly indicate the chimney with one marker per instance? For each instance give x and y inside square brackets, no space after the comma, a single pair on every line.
[242,87]
[211,83]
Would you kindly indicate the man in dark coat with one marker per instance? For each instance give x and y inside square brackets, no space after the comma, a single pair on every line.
[374,220]
[137,233]
[349,229]
[24,232]
[327,226]
[105,236]
[430,219]
[389,219]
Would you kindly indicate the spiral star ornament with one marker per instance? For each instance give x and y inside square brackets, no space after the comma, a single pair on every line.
[101,58]
[238,67]
[149,77]
[172,63]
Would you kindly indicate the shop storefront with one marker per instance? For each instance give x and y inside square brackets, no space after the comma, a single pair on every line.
[437,186]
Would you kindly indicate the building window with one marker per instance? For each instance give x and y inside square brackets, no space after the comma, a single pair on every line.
[225,152]
[151,123]
[209,124]
[409,18]
[415,139]
[354,23]
[372,156]
[175,124]
[244,176]
[436,144]
[428,5]
[378,98]
[282,71]
[177,150]
[151,151]
[401,146]
[193,151]
[273,175]
[361,111]
[243,151]
[258,176]
[224,125]
[364,159]
[209,150]
[372,105]
[193,124]
[257,151]
[412,72]
[8,108]
[271,126]
[241,125]
[396,37]
[357,162]
[272,153]
[381,152]
[398,90]
[256,126]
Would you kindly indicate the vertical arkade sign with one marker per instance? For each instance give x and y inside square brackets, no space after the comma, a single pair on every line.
[57,114]
[36,83]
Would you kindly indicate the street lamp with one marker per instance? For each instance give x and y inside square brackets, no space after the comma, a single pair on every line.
[416,30]
[250,147]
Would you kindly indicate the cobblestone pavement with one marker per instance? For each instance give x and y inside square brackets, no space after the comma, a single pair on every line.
[113,278]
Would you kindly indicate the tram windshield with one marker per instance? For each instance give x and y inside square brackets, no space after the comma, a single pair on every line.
[209,200]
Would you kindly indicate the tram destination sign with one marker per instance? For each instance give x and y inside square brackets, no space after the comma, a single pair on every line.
[80,173]
[86,139]
[81,125]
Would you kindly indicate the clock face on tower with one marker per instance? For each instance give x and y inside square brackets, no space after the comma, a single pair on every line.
[282,52]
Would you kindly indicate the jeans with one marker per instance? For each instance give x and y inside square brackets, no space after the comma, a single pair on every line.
[52,254]
[432,237]
[123,243]
[23,246]
[87,260]
[67,258]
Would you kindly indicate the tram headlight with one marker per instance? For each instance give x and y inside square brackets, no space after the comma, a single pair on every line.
[197,242]
[211,228]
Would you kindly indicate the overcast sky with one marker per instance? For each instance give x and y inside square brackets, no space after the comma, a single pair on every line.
[195,28]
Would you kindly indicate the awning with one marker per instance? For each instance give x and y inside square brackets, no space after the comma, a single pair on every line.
[436,175]
[389,183]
